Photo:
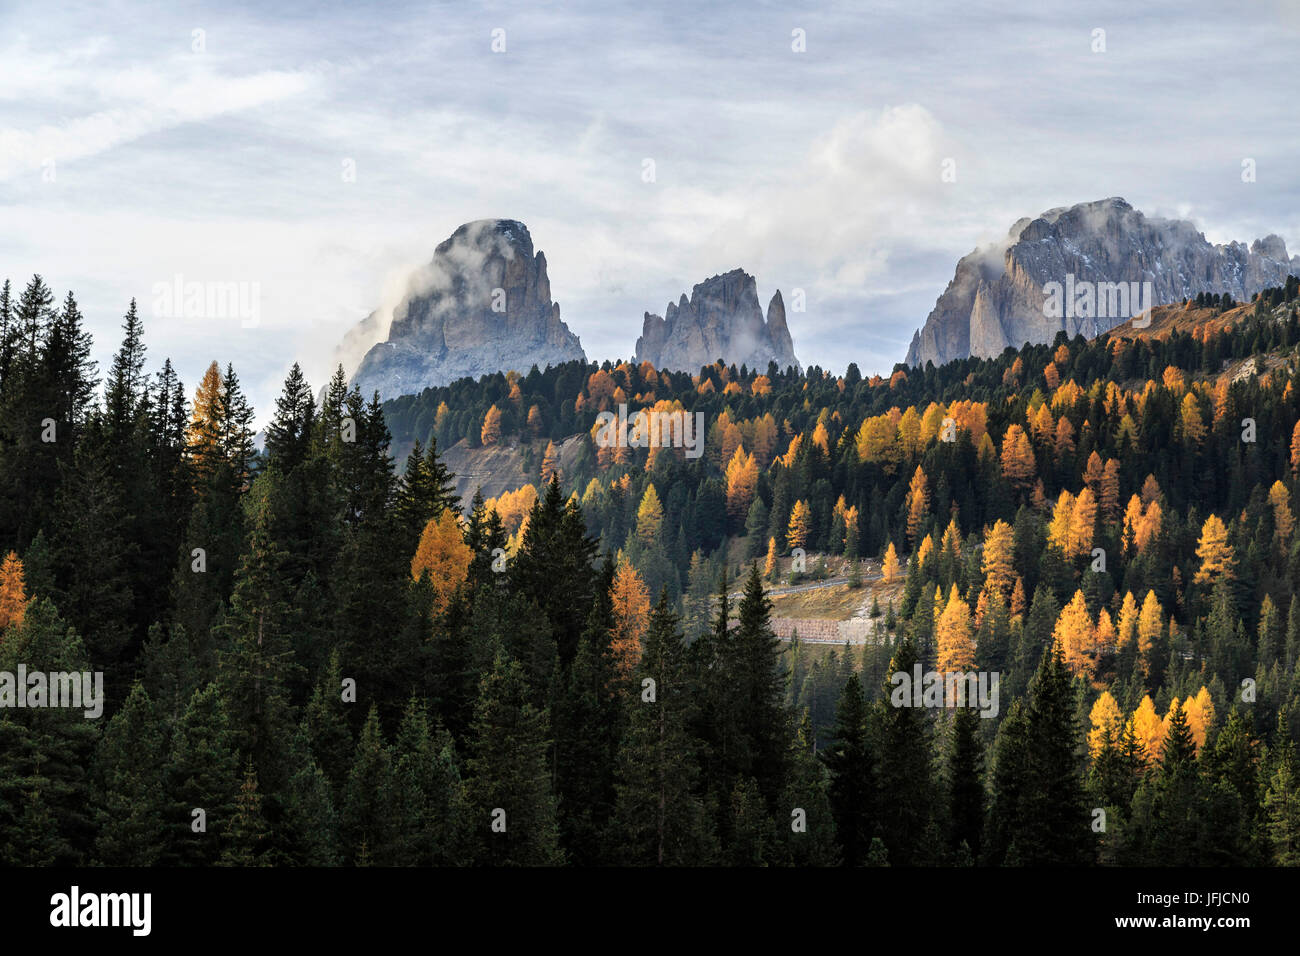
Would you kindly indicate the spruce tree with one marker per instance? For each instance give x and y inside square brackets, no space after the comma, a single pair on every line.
[850,761]
[513,811]
[1054,824]
[965,772]
[906,778]
[128,775]
[659,817]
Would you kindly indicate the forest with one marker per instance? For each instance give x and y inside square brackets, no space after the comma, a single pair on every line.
[313,656]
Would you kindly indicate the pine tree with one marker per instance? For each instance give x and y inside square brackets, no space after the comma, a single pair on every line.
[433,821]
[289,434]
[366,815]
[509,789]
[128,775]
[248,834]
[125,389]
[850,762]
[554,568]
[588,718]
[201,774]
[754,664]
[1054,826]
[659,818]
[326,725]
[906,779]
[965,783]
[1282,798]
[808,833]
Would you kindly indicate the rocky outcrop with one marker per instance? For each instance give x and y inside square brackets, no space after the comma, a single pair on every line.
[482,305]
[996,298]
[721,320]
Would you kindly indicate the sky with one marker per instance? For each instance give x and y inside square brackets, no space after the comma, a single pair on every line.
[309,157]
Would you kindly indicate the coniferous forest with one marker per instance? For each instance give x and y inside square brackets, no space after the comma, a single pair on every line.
[316,654]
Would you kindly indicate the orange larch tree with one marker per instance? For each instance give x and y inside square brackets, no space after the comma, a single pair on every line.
[13,592]
[998,560]
[800,525]
[631,605]
[956,648]
[1218,559]
[918,503]
[491,431]
[444,556]
[1074,631]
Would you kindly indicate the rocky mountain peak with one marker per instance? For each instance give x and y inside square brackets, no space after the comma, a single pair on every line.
[997,297]
[722,319]
[481,305]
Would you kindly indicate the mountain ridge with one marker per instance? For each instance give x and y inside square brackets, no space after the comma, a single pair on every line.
[996,296]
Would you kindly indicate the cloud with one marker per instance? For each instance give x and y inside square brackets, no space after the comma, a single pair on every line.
[139,100]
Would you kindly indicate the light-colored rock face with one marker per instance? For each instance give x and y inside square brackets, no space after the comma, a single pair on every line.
[996,298]
[721,320]
[482,305]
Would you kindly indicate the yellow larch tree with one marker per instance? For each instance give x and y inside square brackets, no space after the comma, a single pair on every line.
[851,531]
[550,462]
[1218,560]
[1193,424]
[1104,637]
[742,480]
[1149,729]
[909,433]
[203,434]
[1105,716]
[925,553]
[1200,715]
[1058,529]
[1018,602]
[890,568]
[796,534]
[13,592]
[490,434]
[1283,519]
[444,556]
[1018,464]
[1150,623]
[1064,445]
[950,545]
[769,566]
[1074,632]
[631,605]
[1127,632]
[998,559]
[1108,496]
[1083,521]
[821,438]
[956,648]
[918,503]
[649,516]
